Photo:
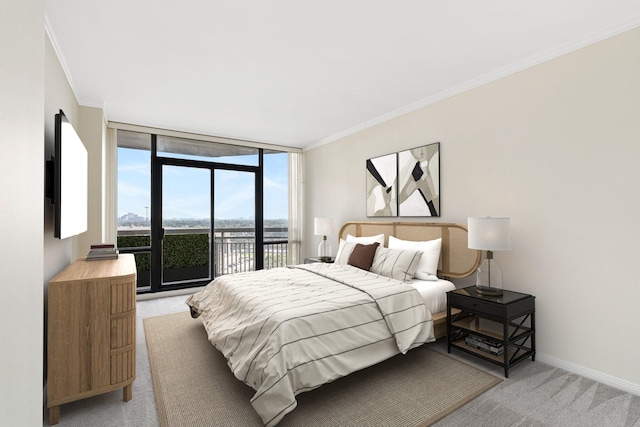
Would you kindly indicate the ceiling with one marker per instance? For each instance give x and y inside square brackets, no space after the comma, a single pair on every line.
[302,73]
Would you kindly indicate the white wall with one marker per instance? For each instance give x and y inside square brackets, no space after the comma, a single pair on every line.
[21,207]
[92,130]
[556,148]
[58,96]
[33,88]
[91,127]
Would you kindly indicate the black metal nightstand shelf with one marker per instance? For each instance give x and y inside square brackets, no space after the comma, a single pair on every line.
[504,326]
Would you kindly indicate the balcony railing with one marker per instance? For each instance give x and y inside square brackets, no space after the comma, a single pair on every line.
[186,251]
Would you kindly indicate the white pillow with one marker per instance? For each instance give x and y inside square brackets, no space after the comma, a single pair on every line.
[366,240]
[344,252]
[428,265]
[399,264]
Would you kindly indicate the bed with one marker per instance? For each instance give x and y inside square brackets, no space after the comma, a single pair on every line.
[456,261]
[289,330]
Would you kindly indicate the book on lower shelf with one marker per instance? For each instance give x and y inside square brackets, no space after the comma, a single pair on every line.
[102,251]
[490,341]
[489,345]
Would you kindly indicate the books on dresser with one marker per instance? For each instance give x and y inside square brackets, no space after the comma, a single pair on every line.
[102,251]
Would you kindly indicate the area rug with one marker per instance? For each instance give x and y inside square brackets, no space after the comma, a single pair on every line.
[194,387]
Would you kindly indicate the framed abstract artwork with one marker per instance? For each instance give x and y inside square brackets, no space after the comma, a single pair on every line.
[382,176]
[419,181]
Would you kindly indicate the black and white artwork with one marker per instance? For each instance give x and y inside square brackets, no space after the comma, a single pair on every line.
[419,181]
[382,173]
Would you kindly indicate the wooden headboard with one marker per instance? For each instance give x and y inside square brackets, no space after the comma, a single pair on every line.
[456,259]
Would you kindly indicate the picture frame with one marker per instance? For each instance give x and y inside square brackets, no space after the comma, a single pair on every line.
[382,176]
[419,181]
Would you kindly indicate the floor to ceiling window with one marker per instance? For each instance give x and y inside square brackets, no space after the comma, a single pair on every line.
[193,210]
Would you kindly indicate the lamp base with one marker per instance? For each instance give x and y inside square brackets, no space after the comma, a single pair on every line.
[324,249]
[489,291]
[489,278]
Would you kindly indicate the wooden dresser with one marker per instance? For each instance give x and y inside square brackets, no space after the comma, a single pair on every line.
[91,338]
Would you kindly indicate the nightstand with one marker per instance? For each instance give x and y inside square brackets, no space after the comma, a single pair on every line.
[313,259]
[500,329]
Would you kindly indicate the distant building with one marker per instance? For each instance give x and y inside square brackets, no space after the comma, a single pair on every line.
[130,217]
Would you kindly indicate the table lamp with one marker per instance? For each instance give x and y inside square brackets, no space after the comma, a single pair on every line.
[323,227]
[489,234]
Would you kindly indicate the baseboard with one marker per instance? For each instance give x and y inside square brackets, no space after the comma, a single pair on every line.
[163,294]
[609,380]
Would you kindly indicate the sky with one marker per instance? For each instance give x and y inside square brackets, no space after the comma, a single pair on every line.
[186,190]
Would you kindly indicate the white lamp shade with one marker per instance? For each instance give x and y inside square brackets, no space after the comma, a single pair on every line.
[323,226]
[490,234]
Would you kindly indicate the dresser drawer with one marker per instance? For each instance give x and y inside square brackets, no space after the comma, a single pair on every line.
[123,331]
[123,295]
[123,365]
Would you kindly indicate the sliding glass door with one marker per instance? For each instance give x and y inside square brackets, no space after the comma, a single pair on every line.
[186,224]
[192,210]
[235,225]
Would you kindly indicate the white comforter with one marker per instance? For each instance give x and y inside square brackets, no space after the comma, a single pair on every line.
[289,330]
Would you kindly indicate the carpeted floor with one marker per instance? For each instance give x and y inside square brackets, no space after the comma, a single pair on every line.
[194,386]
[535,394]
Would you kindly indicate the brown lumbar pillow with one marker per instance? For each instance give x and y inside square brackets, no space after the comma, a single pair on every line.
[362,255]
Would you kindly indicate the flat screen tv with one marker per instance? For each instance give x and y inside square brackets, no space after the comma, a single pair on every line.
[67,180]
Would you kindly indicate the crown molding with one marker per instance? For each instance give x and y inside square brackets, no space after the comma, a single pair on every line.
[531,61]
[56,48]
